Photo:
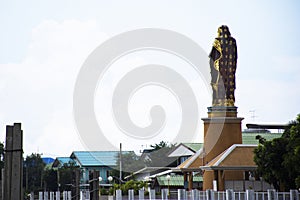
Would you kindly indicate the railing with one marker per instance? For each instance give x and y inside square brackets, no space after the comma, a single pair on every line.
[65,195]
[181,195]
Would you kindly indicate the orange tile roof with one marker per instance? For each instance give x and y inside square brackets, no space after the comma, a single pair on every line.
[236,156]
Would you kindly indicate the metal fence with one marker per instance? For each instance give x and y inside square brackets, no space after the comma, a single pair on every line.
[181,194]
[65,195]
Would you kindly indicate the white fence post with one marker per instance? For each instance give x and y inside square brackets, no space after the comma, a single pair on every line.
[46,197]
[230,195]
[51,195]
[164,194]
[118,194]
[250,195]
[152,195]
[40,195]
[69,195]
[202,195]
[181,194]
[294,195]
[57,195]
[272,194]
[141,194]
[65,195]
[195,194]
[31,195]
[210,195]
[130,194]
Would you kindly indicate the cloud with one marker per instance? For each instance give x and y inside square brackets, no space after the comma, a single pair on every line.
[274,95]
[58,137]
[38,91]
[287,66]
[144,98]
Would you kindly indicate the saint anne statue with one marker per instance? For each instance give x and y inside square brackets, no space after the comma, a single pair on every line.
[223,57]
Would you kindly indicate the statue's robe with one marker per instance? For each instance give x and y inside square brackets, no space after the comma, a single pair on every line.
[223,58]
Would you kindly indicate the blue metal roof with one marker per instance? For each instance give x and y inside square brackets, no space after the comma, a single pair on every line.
[64,160]
[96,158]
[60,161]
[47,160]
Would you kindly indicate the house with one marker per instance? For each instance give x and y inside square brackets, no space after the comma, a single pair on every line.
[102,161]
[61,161]
[147,172]
[174,182]
[184,150]
[250,138]
[237,159]
[47,160]
[145,156]
[190,163]
[171,159]
[235,169]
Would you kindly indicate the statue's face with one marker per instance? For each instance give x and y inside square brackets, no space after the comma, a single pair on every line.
[219,31]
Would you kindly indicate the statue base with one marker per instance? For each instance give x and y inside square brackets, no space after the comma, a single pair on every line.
[222,129]
[222,111]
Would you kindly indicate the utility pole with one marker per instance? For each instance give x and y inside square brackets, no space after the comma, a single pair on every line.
[13,169]
[120,176]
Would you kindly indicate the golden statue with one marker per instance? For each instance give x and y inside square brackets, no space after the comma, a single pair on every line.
[223,57]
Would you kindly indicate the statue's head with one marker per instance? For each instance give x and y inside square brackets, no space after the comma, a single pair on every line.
[223,31]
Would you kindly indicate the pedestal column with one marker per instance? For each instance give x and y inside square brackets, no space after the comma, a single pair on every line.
[222,129]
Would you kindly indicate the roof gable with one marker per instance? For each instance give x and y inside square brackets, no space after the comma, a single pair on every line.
[185,149]
[194,146]
[195,161]
[239,156]
[60,161]
[236,156]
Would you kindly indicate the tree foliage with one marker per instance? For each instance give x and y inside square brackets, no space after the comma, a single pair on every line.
[130,163]
[157,157]
[50,179]
[162,144]
[38,177]
[278,160]
[66,176]
[129,185]
[33,170]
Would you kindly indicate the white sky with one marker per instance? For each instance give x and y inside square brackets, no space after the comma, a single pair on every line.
[44,43]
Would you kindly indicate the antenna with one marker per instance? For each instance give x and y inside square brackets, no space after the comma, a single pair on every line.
[253,116]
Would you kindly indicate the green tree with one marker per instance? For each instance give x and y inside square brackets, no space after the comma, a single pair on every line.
[162,144]
[66,176]
[269,159]
[292,157]
[50,179]
[33,170]
[129,185]
[278,160]
[130,163]
[159,155]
